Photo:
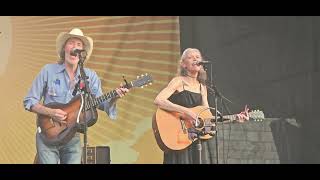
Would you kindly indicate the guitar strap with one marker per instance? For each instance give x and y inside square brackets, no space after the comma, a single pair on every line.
[184,93]
[44,91]
[76,87]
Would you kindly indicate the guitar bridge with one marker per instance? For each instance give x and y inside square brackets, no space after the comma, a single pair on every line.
[183,125]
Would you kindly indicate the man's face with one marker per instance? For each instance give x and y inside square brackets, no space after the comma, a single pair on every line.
[71,44]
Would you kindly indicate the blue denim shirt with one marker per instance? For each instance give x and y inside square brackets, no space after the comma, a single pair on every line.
[53,85]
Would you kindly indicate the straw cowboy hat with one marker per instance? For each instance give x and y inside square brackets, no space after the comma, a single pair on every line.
[77,33]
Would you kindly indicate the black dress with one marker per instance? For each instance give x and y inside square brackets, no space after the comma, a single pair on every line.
[190,155]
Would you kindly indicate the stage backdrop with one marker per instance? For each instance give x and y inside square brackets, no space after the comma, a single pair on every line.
[127,46]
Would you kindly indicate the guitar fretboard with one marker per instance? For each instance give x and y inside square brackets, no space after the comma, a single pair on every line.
[230,117]
[140,82]
[96,101]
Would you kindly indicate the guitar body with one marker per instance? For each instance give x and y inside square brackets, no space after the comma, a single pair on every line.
[55,133]
[171,129]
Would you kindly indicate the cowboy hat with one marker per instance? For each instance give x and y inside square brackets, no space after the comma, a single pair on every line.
[77,33]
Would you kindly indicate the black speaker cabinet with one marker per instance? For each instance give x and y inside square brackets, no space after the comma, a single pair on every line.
[97,155]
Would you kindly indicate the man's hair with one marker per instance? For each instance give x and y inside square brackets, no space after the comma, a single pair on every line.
[62,53]
[202,75]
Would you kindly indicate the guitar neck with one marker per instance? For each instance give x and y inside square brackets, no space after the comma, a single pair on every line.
[140,82]
[96,101]
[230,118]
[254,115]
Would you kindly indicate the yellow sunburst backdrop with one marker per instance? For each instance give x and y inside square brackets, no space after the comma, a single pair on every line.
[127,46]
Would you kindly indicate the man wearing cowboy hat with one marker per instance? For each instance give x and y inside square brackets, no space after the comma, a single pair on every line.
[55,83]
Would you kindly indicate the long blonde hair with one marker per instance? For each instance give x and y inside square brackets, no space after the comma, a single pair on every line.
[202,75]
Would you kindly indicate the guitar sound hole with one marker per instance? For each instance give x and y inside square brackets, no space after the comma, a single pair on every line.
[199,123]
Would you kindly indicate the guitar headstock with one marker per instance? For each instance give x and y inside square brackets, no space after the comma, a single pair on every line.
[256,115]
[141,81]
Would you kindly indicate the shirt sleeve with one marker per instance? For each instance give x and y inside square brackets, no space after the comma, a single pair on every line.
[37,89]
[109,106]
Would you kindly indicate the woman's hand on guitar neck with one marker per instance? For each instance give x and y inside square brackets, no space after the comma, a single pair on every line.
[244,115]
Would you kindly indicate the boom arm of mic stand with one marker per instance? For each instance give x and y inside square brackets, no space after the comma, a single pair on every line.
[214,89]
[216,92]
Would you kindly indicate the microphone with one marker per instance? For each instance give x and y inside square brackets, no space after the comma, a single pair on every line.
[75,52]
[199,63]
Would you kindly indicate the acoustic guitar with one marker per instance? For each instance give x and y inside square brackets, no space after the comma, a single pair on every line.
[55,133]
[174,131]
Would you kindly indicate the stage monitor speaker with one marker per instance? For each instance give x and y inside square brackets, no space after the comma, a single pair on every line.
[98,155]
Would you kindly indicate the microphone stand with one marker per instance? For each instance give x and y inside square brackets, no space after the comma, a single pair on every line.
[213,90]
[86,93]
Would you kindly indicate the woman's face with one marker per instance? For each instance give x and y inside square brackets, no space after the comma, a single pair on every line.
[189,62]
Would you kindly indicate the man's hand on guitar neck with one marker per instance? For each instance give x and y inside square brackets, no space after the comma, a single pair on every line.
[121,91]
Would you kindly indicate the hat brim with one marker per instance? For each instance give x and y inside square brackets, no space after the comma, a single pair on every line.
[64,36]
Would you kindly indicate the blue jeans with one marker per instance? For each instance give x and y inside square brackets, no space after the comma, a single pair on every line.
[69,153]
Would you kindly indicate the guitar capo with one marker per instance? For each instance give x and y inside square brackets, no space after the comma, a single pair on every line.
[125,81]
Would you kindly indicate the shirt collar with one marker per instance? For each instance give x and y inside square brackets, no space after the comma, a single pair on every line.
[62,67]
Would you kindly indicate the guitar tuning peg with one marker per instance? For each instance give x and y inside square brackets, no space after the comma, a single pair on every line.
[141,86]
[150,84]
[146,74]
[137,77]
[142,75]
